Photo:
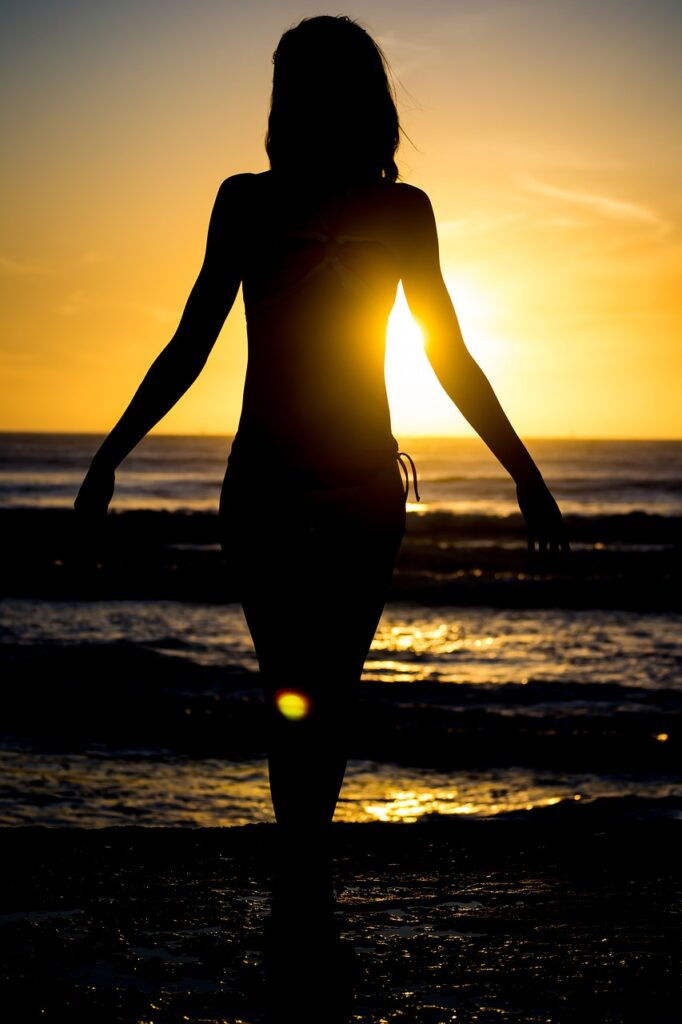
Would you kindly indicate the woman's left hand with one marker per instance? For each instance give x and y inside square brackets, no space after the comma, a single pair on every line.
[544,522]
[95,492]
[86,537]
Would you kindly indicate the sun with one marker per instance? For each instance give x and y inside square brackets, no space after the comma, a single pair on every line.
[419,405]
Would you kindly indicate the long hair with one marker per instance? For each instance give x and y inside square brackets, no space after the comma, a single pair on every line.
[333,109]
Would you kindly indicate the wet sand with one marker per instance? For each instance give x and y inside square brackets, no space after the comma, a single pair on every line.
[569,914]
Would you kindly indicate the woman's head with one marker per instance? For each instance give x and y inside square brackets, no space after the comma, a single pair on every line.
[333,110]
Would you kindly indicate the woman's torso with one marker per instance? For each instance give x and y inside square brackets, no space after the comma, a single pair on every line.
[320,273]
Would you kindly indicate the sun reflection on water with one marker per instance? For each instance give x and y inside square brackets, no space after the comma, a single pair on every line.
[94,791]
[447,652]
[411,805]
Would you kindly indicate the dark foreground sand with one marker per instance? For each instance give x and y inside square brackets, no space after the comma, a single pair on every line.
[566,915]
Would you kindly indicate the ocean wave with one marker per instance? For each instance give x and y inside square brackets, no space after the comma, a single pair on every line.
[123,694]
[586,484]
[622,561]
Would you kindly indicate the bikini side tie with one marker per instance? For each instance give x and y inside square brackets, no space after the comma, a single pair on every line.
[403,455]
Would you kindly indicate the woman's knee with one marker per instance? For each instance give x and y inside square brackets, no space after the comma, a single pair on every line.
[301,711]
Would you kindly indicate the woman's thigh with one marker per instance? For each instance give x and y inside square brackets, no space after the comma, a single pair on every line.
[312,570]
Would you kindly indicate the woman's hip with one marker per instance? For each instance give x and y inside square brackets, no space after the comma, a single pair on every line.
[278,516]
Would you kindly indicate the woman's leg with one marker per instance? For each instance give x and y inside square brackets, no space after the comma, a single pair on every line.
[312,640]
[313,582]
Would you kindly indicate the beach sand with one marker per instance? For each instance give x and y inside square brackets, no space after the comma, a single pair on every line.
[563,915]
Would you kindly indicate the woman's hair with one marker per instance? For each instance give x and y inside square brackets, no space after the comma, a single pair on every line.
[333,107]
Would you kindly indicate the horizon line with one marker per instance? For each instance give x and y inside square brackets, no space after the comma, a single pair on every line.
[425,437]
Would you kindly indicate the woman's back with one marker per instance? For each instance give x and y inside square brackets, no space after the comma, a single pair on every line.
[320,272]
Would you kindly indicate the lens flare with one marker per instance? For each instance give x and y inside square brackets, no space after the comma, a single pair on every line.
[293,704]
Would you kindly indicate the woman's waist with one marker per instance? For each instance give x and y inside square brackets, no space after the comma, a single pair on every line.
[320,458]
[269,467]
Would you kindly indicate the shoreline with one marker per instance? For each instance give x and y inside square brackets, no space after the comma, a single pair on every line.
[573,915]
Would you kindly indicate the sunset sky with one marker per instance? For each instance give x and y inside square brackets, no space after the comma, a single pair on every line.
[547,133]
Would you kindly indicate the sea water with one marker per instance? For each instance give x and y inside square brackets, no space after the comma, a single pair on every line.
[455,474]
[571,665]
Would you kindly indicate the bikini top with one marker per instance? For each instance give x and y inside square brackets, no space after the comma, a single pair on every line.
[335,254]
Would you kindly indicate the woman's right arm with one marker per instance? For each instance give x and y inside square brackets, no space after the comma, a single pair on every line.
[183,358]
[462,377]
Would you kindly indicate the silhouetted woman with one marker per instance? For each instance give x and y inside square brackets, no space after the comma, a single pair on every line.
[312,507]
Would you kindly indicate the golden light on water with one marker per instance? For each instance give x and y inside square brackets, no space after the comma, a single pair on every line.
[411,805]
[293,704]
[463,657]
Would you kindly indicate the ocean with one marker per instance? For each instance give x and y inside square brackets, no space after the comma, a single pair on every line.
[455,474]
[494,685]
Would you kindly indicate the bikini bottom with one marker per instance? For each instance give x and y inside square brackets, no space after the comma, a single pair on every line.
[311,563]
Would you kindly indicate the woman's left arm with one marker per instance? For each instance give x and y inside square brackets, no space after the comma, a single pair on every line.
[462,377]
[183,358]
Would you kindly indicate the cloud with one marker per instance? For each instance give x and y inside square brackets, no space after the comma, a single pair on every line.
[90,257]
[607,206]
[78,301]
[478,223]
[14,268]
[405,56]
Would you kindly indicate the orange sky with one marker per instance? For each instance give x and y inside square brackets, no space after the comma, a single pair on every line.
[546,133]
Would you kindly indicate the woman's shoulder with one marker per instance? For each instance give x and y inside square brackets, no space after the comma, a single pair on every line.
[259,182]
[410,198]
[406,209]
[239,199]
[243,184]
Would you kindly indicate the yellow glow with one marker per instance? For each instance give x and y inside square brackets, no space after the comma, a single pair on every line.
[409,806]
[293,704]
[419,405]
[556,198]
[662,737]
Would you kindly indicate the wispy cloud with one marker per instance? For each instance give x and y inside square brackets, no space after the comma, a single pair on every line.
[405,56]
[478,224]
[77,302]
[607,206]
[20,268]
[16,268]
[393,44]
[90,257]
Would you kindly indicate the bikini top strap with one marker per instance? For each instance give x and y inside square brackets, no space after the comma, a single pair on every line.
[332,247]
